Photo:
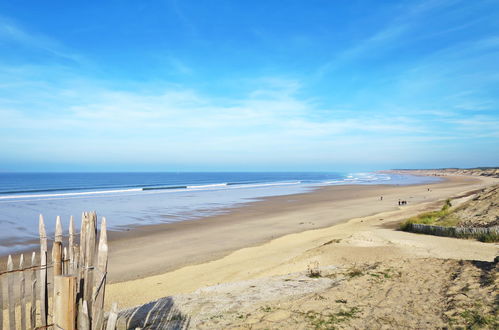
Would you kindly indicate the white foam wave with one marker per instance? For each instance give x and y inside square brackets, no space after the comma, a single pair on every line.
[208,186]
[264,184]
[71,194]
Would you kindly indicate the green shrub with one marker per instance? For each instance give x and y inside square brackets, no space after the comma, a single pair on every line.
[489,238]
[428,218]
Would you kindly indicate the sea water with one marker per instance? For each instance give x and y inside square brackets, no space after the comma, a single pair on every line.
[133,199]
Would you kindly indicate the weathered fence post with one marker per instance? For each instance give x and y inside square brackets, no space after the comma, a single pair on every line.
[78,298]
[43,273]
[83,319]
[81,259]
[112,318]
[71,244]
[100,273]
[89,259]
[57,258]
[1,302]
[10,294]
[33,292]
[65,302]
[22,288]
[65,261]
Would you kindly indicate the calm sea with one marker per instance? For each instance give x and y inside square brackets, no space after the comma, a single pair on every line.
[134,199]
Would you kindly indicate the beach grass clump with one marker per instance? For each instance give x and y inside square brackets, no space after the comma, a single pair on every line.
[429,218]
[354,272]
[476,320]
[266,309]
[489,238]
[313,270]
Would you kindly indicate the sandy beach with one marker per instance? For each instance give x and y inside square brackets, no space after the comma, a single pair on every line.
[280,235]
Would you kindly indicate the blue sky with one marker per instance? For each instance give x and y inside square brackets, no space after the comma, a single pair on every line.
[248,85]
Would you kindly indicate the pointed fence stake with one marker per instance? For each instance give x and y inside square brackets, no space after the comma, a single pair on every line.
[58,229]
[10,294]
[100,275]
[32,311]
[22,292]
[71,268]
[81,259]
[43,273]
[89,260]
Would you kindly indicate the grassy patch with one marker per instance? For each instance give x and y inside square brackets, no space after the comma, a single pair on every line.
[445,218]
[488,238]
[431,218]
[475,320]
[384,274]
[330,320]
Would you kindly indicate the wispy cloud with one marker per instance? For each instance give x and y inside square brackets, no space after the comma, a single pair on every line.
[179,121]
[14,33]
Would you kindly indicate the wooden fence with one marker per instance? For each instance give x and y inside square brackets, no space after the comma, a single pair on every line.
[462,232]
[61,290]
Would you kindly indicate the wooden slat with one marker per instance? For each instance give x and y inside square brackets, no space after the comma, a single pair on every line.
[57,267]
[32,313]
[65,302]
[1,301]
[98,320]
[57,247]
[57,258]
[76,257]
[100,274]
[65,261]
[112,318]
[83,322]
[22,292]
[89,259]
[71,246]
[43,273]
[10,295]
[82,261]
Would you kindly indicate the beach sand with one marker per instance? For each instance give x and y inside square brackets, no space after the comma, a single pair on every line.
[279,235]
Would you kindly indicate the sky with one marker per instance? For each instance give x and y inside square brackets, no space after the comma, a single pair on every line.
[183,85]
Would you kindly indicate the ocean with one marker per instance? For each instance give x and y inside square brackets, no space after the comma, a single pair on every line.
[134,199]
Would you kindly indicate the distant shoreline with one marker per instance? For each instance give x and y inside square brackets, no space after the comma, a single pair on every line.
[128,209]
[209,238]
[146,250]
[179,258]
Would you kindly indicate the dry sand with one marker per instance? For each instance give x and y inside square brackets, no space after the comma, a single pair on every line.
[402,293]
[274,237]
